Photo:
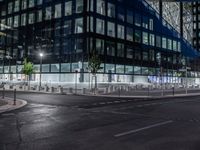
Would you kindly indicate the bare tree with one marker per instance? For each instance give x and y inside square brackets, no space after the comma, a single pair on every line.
[94,65]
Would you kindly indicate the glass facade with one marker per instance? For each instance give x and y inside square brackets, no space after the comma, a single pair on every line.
[127,38]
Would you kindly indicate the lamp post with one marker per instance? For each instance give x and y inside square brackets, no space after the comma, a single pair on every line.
[41,56]
[76,71]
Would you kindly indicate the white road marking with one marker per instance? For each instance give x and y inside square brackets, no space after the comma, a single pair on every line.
[144,128]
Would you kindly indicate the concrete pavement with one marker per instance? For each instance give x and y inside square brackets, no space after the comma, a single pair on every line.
[11,105]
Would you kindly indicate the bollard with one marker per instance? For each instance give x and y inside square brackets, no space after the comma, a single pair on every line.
[60,90]
[173,90]
[84,91]
[119,91]
[51,89]
[70,90]
[106,90]
[14,97]
[148,90]
[3,92]
[46,88]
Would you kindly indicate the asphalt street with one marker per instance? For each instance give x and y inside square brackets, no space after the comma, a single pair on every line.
[55,122]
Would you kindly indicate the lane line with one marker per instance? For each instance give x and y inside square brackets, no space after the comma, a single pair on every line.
[141,129]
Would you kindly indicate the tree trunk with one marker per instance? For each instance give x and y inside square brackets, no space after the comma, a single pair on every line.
[29,82]
[95,83]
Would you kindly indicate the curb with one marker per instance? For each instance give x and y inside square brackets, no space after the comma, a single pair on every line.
[143,97]
[9,106]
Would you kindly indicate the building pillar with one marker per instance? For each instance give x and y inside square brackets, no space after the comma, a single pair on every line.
[181,18]
[160,8]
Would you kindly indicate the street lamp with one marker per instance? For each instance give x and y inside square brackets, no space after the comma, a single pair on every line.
[41,56]
[76,71]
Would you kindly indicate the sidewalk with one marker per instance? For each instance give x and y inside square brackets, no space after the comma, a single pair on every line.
[144,97]
[10,104]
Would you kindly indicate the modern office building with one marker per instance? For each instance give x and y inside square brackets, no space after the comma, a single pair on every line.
[196,27]
[133,40]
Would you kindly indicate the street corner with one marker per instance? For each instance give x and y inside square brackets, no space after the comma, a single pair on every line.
[8,104]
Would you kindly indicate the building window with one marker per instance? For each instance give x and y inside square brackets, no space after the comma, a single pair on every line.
[145,38]
[111,10]
[179,47]
[67,28]
[169,44]
[151,24]
[31,18]
[129,16]
[129,34]
[78,45]
[16,21]
[151,55]
[57,13]
[129,69]
[158,41]
[138,20]
[39,15]
[16,8]
[110,48]
[120,31]
[79,6]
[57,28]
[68,8]
[111,29]
[3,22]
[110,68]
[137,54]
[164,42]
[119,68]
[31,3]
[89,24]
[100,46]
[79,25]
[55,68]
[39,2]
[120,50]
[90,4]
[129,52]
[23,19]
[10,7]
[3,10]
[120,14]
[67,46]
[100,27]
[151,39]
[24,4]
[138,36]
[10,22]
[48,13]
[145,22]
[101,7]
[174,45]
[65,67]
[145,56]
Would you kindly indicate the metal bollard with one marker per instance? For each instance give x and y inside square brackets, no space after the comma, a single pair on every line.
[148,90]
[3,92]
[119,91]
[173,90]
[14,97]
